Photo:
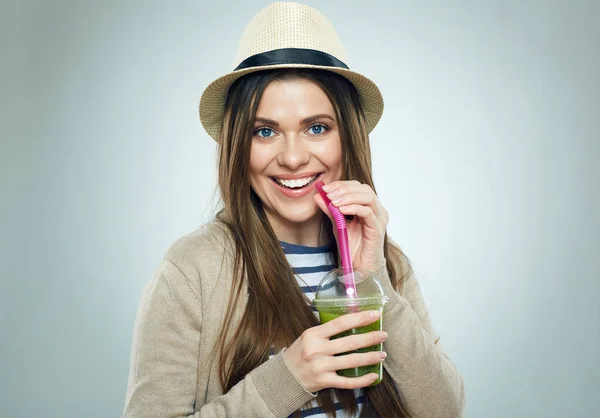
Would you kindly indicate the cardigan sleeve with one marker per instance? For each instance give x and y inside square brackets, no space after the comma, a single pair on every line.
[423,373]
[164,362]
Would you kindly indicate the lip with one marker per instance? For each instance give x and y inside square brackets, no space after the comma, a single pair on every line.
[297,176]
[296,193]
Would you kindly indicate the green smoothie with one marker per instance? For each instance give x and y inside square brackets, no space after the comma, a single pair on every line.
[332,301]
[330,313]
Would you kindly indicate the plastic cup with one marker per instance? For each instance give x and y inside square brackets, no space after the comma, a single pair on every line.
[332,302]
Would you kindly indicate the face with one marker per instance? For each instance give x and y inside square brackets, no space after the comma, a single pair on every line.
[296,142]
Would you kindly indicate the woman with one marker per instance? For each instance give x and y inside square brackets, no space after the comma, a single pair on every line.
[225,328]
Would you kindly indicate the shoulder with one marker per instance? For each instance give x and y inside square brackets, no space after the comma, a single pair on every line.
[211,239]
[410,290]
[402,264]
[201,254]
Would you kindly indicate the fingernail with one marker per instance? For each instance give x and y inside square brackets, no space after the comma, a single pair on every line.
[336,201]
[374,314]
[333,194]
[326,187]
[383,355]
[383,336]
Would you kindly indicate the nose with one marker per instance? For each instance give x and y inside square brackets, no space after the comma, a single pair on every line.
[293,153]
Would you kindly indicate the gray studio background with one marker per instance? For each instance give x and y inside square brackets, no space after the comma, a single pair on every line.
[486,157]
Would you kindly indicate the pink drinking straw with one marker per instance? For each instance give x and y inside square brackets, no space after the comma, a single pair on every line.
[340,224]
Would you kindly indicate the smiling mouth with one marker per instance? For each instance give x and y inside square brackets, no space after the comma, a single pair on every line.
[296,184]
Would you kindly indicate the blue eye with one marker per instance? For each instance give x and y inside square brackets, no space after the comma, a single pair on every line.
[318,129]
[264,132]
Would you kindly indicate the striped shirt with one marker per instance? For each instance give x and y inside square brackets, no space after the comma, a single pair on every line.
[310,264]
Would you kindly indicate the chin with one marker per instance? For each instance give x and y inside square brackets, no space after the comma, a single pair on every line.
[299,215]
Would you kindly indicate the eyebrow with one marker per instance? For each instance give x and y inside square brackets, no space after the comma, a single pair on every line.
[304,121]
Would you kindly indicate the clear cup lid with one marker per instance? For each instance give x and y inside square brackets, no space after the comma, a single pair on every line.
[331,291]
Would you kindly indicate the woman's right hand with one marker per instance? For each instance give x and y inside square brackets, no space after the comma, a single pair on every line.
[311,357]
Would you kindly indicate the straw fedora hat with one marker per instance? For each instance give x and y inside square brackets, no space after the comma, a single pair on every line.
[287,35]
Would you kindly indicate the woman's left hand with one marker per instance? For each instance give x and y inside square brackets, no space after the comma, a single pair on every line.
[366,231]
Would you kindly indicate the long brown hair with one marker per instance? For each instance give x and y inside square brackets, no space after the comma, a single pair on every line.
[276,312]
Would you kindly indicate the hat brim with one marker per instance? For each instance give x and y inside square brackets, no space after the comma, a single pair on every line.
[212,102]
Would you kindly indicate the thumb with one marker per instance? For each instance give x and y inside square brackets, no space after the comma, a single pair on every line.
[321,204]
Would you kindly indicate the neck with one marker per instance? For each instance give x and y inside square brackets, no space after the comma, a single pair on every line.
[309,233]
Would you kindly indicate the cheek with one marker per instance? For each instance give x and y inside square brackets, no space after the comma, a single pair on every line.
[260,159]
[332,157]
[257,161]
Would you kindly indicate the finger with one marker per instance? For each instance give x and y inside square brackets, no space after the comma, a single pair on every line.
[340,382]
[360,197]
[345,193]
[350,361]
[348,321]
[354,342]
[337,187]
[365,213]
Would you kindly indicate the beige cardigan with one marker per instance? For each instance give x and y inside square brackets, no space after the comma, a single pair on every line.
[174,370]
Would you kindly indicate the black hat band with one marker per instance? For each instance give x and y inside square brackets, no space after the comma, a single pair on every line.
[291,56]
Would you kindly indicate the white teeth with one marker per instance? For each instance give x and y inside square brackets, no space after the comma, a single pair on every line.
[296,183]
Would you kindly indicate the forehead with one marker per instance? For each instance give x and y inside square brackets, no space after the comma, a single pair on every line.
[293,99]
